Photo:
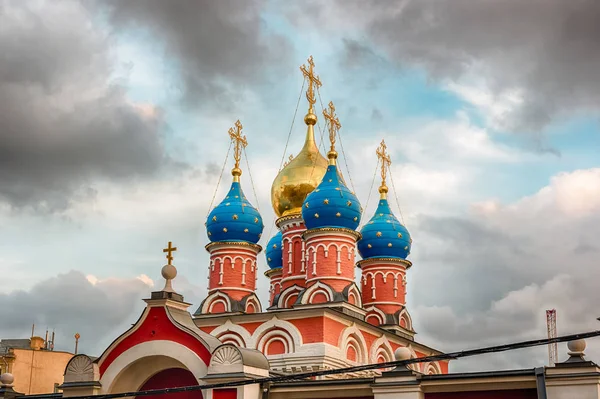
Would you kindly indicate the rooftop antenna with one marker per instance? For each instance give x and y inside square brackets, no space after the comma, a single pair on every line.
[32,329]
[551,326]
[52,342]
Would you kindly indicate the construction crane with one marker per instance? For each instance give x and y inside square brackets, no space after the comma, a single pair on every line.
[551,325]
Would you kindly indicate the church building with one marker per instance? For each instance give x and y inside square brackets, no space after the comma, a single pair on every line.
[337,299]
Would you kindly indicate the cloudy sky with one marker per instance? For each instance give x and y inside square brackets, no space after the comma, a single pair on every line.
[113,133]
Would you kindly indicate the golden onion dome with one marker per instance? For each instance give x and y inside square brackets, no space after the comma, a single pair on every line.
[300,176]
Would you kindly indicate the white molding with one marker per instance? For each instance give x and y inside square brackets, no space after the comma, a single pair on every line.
[314,289]
[117,370]
[228,326]
[352,333]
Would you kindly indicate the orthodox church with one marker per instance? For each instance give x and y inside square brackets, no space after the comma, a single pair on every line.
[329,307]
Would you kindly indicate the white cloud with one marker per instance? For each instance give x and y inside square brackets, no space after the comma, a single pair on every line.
[488,278]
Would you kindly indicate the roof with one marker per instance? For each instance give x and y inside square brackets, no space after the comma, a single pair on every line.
[18,343]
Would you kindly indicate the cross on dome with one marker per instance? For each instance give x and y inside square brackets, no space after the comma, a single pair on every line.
[386,161]
[313,84]
[334,127]
[239,143]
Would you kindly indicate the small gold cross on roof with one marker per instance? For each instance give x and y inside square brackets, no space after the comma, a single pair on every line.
[169,251]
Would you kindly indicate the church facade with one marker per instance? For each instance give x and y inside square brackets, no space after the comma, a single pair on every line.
[327,308]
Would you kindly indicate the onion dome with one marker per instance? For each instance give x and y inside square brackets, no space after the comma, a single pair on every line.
[304,172]
[274,251]
[331,204]
[384,236]
[235,219]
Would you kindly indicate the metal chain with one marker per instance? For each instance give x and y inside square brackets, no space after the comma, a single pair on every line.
[371,189]
[251,180]
[291,126]
[212,201]
[396,196]
[342,147]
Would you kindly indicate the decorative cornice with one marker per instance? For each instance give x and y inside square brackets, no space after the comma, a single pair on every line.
[297,217]
[272,272]
[353,233]
[366,262]
[221,244]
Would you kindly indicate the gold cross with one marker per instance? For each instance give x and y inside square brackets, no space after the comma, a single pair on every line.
[239,142]
[313,82]
[334,124]
[169,250]
[385,159]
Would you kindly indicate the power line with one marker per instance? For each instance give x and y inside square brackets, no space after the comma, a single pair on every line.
[353,369]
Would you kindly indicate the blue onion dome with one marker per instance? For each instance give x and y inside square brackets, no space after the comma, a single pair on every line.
[234,219]
[331,204]
[274,251]
[384,236]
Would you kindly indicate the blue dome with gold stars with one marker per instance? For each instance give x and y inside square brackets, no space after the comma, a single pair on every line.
[234,219]
[274,251]
[331,204]
[384,236]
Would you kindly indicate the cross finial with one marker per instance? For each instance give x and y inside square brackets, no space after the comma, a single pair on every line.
[169,251]
[334,127]
[313,83]
[386,161]
[239,143]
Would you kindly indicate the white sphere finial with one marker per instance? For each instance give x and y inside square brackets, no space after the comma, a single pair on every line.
[402,353]
[7,379]
[576,347]
[169,272]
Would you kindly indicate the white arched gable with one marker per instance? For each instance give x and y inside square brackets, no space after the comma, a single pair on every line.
[406,316]
[352,333]
[354,291]
[214,298]
[116,373]
[284,295]
[375,312]
[314,289]
[262,333]
[432,368]
[381,346]
[234,328]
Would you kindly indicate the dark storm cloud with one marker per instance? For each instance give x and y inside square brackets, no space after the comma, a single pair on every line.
[62,122]
[218,45]
[548,48]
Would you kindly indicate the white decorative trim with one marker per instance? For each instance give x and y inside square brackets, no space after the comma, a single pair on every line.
[147,350]
[376,313]
[354,291]
[406,316]
[330,278]
[381,346]
[228,326]
[432,368]
[260,337]
[353,334]
[230,288]
[315,289]
[213,298]
[285,294]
